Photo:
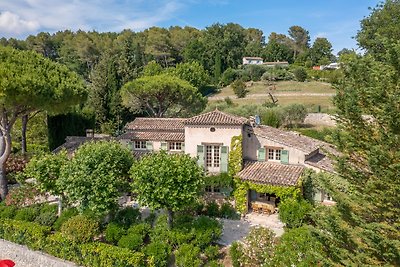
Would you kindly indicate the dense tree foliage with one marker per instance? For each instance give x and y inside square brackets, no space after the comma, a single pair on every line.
[162,95]
[96,175]
[170,181]
[363,229]
[30,82]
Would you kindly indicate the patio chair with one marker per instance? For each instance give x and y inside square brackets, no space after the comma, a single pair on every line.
[266,210]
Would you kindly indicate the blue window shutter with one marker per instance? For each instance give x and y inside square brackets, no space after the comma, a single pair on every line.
[149,145]
[253,195]
[164,145]
[285,156]
[200,155]
[261,154]
[183,146]
[224,159]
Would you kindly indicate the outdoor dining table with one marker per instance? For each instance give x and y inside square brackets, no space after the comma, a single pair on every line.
[263,206]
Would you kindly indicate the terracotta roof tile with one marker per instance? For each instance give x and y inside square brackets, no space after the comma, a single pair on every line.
[216,117]
[153,136]
[271,173]
[72,143]
[166,124]
[322,162]
[291,139]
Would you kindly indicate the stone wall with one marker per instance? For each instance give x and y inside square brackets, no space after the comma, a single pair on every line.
[24,257]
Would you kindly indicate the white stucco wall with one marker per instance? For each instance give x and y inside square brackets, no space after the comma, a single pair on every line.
[252,142]
[196,135]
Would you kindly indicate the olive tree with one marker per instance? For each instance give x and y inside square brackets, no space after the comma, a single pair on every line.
[29,82]
[170,181]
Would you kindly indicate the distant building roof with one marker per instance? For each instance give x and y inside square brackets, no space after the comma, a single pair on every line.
[322,162]
[72,143]
[271,173]
[256,58]
[166,124]
[216,117]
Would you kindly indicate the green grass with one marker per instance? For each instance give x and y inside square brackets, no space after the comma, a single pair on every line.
[282,87]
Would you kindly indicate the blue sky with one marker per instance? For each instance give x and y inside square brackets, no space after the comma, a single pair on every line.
[338,20]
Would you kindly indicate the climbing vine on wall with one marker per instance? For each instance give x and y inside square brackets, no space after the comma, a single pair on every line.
[235,156]
[220,180]
[241,189]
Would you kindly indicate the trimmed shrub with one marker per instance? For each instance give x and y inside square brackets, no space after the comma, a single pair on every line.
[100,254]
[27,214]
[161,231]
[212,209]
[228,211]
[157,253]
[131,241]
[65,216]
[114,232]
[183,221]
[61,247]
[206,230]
[140,229]
[25,233]
[228,76]
[239,88]
[47,218]
[211,252]
[188,255]
[7,212]
[127,216]
[300,74]
[294,212]
[80,229]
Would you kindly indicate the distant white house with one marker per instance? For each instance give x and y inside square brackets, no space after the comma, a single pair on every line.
[252,61]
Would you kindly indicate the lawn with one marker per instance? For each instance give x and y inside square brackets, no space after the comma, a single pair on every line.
[281,87]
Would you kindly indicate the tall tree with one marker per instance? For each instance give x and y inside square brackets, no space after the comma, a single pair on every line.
[28,83]
[104,95]
[162,95]
[363,229]
[170,181]
[321,51]
[300,38]
[158,45]
[380,27]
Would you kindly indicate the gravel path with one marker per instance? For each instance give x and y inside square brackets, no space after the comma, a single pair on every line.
[234,230]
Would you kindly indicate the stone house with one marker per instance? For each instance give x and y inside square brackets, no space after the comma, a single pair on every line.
[270,156]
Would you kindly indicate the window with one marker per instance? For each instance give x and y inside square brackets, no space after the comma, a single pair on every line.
[139,145]
[175,146]
[212,156]
[274,153]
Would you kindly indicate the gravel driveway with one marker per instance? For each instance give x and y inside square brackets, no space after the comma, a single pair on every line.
[234,230]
